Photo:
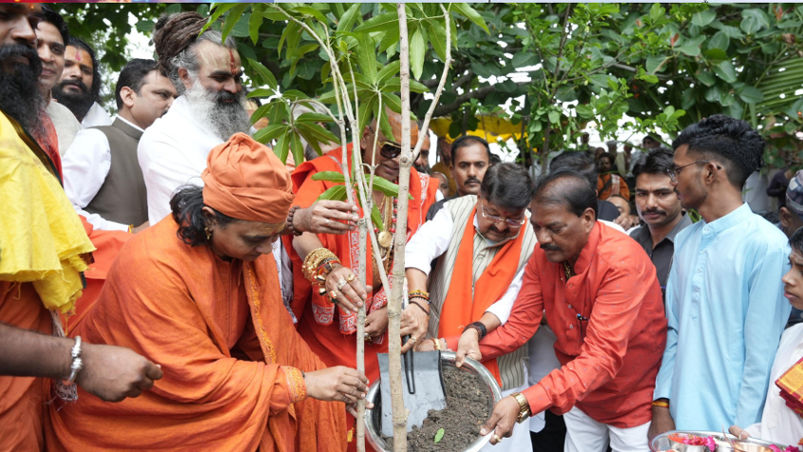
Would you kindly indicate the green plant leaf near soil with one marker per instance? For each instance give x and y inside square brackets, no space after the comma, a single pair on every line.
[439,435]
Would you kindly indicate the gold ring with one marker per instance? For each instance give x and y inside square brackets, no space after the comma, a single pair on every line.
[350,277]
[496,438]
[340,283]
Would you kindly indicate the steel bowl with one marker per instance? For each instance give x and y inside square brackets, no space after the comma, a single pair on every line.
[373,416]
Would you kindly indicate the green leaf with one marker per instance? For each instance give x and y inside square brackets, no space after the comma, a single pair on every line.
[313,117]
[704,18]
[387,187]
[554,117]
[348,18]
[297,149]
[269,132]
[310,11]
[720,40]
[376,218]
[388,70]
[388,22]
[725,71]
[282,147]
[649,78]
[472,15]
[653,62]
[753,20]
[366,55]
[232,18]
[715,55]
[255,21]
[437,37]
[439,435]
[336,193]
[220,9]
[751,95]
[706,78]
[656,12]
[329,176]
[418,51]
[264,75]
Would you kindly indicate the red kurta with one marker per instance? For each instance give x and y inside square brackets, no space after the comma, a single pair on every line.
[609,357]
[325,339]
[231,357]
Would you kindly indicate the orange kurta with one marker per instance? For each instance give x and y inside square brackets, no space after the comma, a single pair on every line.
[319,323]
[201,318]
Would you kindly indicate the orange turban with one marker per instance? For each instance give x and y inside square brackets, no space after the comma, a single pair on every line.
[245,180]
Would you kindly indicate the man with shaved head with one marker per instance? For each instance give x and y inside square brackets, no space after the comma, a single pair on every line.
[598,291]
[329,308]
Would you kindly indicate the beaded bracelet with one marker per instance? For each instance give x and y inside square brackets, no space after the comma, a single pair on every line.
[289,228]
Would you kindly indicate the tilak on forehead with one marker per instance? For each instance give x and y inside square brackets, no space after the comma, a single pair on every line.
[232,64]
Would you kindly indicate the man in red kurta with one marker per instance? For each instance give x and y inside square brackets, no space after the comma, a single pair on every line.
[599,293]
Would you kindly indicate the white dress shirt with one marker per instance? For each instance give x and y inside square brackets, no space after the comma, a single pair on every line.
[96,116]
[432,239]
[86,165]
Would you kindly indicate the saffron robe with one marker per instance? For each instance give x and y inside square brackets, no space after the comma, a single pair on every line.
[231,357]
[318,324]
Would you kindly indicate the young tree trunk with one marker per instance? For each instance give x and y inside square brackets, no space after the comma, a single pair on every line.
[395,300]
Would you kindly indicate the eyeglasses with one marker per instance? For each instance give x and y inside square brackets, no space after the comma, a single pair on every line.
[390,150]
[511,222]
[675,170]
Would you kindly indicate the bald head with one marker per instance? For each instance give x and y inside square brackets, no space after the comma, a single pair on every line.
[385,155]
[569,189]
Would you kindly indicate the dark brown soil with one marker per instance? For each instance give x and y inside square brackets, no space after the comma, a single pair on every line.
[468,406]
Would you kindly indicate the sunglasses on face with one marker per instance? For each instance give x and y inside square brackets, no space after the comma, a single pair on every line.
[390,150]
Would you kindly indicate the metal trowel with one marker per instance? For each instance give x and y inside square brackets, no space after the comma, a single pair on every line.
[423,388]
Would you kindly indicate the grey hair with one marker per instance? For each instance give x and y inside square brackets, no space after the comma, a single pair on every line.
[188,59]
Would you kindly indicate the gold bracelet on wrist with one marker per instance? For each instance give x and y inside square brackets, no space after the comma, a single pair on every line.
[313,261]
[524,406]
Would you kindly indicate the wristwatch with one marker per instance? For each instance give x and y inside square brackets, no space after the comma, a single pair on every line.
[524,407]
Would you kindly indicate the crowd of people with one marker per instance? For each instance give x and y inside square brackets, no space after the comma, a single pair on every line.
[167,283]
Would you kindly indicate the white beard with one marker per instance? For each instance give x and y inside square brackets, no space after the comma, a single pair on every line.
[225,119]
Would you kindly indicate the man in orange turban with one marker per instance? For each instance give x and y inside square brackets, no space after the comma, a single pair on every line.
[197,294]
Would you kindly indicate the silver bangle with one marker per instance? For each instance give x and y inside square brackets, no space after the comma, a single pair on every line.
[77,363]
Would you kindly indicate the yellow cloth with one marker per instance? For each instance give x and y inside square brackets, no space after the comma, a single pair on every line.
[41,237]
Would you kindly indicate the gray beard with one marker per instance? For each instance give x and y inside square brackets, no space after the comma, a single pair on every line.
[225,118]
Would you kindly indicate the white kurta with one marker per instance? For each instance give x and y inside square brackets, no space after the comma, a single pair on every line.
[65,124]
[779,424]
[96,116]
[172,152]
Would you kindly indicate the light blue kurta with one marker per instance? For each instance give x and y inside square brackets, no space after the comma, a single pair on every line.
[726,312]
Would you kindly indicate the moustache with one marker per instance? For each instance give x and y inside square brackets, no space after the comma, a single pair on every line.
[74,82]
[549,247]
[653,211]
[225,97]
[473,180]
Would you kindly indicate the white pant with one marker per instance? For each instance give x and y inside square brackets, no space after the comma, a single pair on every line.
[519,440]
[584,434]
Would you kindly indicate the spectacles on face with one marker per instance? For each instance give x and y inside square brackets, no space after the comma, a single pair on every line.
[511,222]
[390,150]
[674,172]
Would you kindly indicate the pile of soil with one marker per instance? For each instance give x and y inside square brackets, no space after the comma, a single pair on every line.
[468,406]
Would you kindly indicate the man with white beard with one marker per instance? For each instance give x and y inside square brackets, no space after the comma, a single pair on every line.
[206,72]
